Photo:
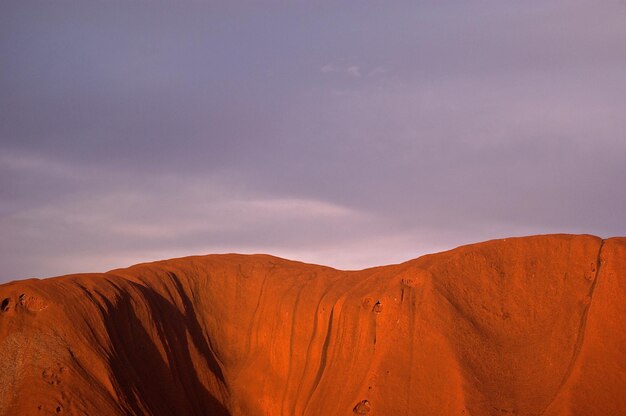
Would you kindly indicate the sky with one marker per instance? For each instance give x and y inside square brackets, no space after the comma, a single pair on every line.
[345,133]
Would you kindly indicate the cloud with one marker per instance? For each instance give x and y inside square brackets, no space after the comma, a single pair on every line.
[199,128]
[351,70]
[328,68]
[23,163]
[150,216]
[378,71]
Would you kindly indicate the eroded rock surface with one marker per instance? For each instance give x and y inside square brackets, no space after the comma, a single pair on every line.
[522,326]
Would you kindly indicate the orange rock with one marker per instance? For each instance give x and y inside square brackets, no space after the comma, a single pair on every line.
[522,326]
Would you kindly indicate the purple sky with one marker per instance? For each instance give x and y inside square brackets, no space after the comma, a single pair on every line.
[348,133]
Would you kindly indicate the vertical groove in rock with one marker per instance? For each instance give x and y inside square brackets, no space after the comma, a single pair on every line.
[580,336]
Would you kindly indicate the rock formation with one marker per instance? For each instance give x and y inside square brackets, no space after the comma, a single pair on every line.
[520,326]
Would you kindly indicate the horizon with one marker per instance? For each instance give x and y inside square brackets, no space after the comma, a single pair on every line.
[296,260]
[373,266]
[343,134]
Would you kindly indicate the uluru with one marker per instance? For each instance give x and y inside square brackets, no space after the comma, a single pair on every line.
[312,208]
[529,326]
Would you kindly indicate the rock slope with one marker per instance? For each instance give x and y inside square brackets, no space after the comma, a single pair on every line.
[520,326]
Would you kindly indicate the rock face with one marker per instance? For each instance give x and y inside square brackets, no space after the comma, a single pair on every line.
[522,326]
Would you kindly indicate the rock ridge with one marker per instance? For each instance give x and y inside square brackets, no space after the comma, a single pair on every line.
[518,326]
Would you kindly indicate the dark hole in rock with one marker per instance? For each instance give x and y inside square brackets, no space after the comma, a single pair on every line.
[362,408]
[378,307]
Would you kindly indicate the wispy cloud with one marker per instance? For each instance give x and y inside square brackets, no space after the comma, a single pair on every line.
[328,68]
[353,70]
[351,134]
[29,164]
[151,216]
[350,70]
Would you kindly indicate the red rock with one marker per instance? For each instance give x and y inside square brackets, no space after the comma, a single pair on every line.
[522,326]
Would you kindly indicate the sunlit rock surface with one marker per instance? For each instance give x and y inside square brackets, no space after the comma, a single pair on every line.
[520,326]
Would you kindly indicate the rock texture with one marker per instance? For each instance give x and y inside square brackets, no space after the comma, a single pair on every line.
[521,326]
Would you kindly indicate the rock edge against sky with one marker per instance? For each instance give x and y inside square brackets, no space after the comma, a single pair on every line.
[519,326]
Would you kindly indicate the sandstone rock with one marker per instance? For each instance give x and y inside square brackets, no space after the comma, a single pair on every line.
[522,326]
